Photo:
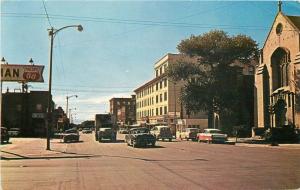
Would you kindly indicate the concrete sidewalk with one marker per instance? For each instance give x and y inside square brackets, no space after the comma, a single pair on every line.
[35,148]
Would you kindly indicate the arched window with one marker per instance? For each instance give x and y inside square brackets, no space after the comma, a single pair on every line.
[279,63]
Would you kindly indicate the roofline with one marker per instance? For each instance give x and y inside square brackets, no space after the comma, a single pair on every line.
[150,82]
[168,54]
[286,17]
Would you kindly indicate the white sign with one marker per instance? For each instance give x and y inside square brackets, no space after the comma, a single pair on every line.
[22,73]
[38,115]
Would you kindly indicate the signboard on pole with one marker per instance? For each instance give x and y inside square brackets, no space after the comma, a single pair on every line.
[22,73]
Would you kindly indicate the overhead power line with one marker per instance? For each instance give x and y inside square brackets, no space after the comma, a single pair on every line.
[134,22]
[46,13]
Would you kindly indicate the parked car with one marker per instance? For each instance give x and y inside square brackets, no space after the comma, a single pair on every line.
[86,130]
[212,136]
[106,133]
[140,137]
[123,131]
[162,132]
[189,133]
[14,132]
[4,135]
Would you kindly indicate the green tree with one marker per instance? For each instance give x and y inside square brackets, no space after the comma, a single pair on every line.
[212,84]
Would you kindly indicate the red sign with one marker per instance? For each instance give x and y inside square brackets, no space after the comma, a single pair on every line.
[22,73]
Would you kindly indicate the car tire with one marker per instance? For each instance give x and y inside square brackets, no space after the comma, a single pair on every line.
[170,140]
[153,144]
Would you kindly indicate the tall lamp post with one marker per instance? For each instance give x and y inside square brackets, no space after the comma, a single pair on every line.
[52,34]
[67,106]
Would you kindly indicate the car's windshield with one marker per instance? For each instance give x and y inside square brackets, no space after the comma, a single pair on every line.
[193,130]
[215,131]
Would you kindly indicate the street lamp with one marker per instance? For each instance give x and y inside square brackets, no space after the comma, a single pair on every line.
[52,34]
[68,97]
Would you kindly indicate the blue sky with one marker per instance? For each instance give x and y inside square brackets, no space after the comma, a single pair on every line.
[120,42]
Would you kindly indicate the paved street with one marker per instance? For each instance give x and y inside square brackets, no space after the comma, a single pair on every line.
[171,165]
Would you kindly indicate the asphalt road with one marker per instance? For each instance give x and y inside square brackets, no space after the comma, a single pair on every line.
[171,165]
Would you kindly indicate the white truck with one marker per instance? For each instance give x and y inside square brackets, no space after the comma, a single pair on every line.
[105,127]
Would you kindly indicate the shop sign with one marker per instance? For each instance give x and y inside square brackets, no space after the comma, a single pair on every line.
[22,73]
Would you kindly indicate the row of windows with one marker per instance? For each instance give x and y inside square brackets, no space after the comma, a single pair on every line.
[150,112]
[160,70]
[149,90]
[150,101]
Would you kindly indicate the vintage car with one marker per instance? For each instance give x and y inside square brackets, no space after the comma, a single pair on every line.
[107,133]
[162,132]
[70,137]
[140,137]
[212,136]
[189,133]
[87,130]
[14,132]
[4,135]
[123,131]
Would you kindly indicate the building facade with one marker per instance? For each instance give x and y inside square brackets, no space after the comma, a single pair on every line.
[25,110]
[123,109]
[158,100]
[277,75]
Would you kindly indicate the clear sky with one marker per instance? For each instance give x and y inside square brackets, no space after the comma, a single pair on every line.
[120,42]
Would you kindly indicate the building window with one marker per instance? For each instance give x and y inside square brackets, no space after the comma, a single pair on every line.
[160,111]
[156,111]
[39,107]
[156,98]
[156,86]
[156,73]
[152,100]
[165,82]
[165,96]
[165,109]
[160,84]
[19,107]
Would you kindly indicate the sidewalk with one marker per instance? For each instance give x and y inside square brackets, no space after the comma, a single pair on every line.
[35,148]
[256,142]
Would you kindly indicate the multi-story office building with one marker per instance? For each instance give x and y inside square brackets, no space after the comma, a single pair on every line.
[123,109]
[157,101]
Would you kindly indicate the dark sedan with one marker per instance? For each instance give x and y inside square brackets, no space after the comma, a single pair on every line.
[140,137]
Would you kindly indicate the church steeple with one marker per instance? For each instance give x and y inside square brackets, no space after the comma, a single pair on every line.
[279,5]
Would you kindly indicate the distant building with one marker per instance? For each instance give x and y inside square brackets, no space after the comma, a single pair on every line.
[278,74]
[26,111]
[158,100]
[123,109]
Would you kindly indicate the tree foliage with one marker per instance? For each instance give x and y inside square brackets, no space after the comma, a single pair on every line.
[212,84]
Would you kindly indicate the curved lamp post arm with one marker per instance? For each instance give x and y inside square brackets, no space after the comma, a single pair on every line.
[53,32]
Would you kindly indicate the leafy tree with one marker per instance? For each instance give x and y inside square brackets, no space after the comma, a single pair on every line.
[212,84]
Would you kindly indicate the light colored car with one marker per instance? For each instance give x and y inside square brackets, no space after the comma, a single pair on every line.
[14,132]
[162,132]
[189,133]
[212,136]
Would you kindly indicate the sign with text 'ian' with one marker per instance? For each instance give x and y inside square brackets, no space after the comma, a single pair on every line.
[22,73]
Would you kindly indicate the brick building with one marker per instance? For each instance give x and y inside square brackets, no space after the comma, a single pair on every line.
[123,109]
[277,75]
[26,110]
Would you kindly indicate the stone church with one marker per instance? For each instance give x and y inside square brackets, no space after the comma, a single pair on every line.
[277,76]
